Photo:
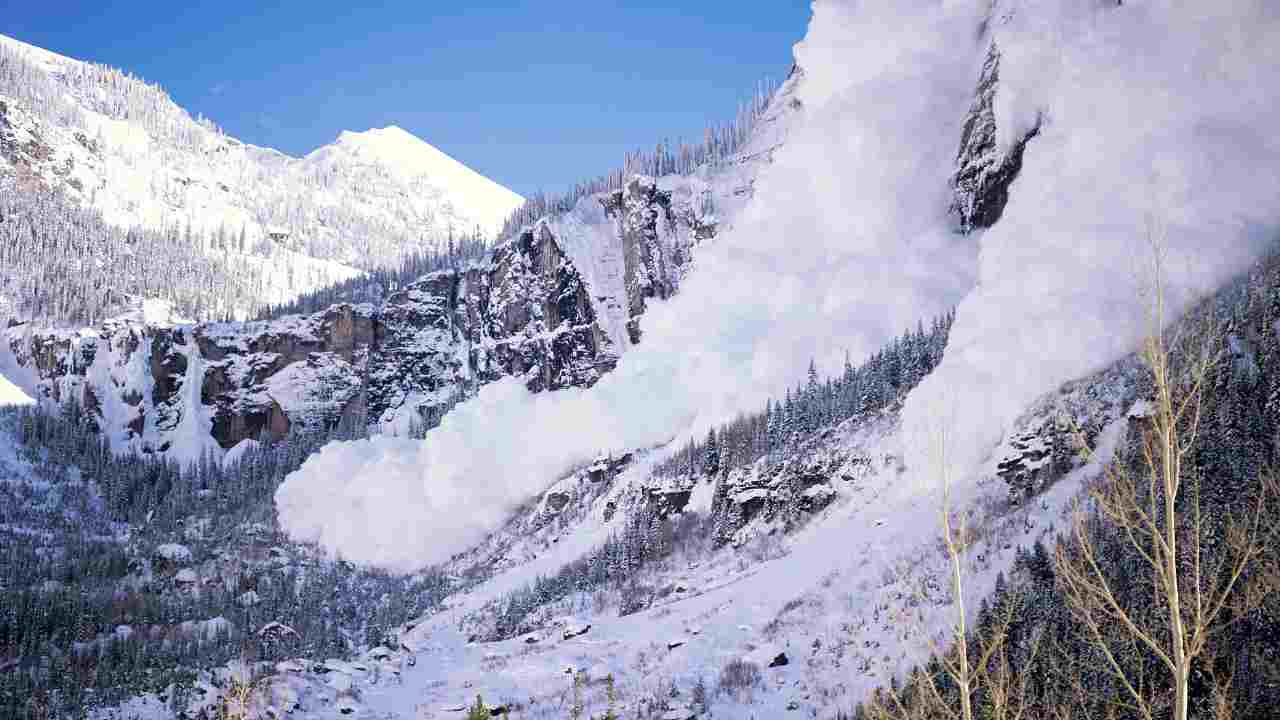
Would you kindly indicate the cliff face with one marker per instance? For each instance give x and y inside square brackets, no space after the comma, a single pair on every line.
[985,169]
[642,214]
[527,313]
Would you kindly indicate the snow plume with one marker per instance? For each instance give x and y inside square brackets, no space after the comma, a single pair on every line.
[845,246]
[1147,106]
[1158,123]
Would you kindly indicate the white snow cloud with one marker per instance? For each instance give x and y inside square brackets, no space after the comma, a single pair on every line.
[1158,122]
[847,243]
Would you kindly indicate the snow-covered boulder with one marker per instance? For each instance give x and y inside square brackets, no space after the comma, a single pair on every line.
[174,553]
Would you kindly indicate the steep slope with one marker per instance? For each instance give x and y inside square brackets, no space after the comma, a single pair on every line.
[122,147]
[394,162]
[552,307]
[979,154]
[166,385]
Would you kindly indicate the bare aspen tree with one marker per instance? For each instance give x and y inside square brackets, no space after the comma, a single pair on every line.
[991,675]
[1192,587]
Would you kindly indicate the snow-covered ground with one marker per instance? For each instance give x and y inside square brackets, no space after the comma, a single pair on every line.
[857,596]
[846,241]
[125,148]
[11,394]
[848,237]
[328,501]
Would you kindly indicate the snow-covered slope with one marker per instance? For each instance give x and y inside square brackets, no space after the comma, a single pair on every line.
[11,394]
[853,232]
[123,147]
[397,159]
[1015,158]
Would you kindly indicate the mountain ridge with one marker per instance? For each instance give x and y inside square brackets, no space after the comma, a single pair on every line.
[114,143]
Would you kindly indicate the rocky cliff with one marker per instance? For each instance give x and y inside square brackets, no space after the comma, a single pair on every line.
[984,167]
[526,312]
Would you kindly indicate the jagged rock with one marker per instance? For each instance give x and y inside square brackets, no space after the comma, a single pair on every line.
[666,502]
[557,500]
[525,313]
[604,469]
[644,216]
[779,660]
[985,171]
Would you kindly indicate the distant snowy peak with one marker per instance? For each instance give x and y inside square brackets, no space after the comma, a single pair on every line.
[111,141]
[471,194]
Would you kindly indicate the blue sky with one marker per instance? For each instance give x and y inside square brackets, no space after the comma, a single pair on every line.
[534,95]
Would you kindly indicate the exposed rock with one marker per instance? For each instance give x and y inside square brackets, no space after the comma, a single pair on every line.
[643,216]
[666,502]
[525,313]
[984,171]
[606,468]
[557,500]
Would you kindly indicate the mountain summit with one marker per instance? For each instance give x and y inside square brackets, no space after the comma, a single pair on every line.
[114,143]
[410,158]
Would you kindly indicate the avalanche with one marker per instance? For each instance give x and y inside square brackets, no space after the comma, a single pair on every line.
[849,240]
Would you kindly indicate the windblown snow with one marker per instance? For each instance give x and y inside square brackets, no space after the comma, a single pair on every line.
[1155,117]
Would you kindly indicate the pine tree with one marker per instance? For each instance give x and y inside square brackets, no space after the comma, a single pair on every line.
[711,458]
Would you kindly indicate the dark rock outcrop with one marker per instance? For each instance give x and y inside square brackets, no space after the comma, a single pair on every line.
[526,313]
[643,215]
[984,171]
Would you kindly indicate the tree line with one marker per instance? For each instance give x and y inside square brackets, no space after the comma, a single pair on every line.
[1161,599]
[647,537]
[81,533]
[882,380]
[376,285]
[61,262]
[719,144]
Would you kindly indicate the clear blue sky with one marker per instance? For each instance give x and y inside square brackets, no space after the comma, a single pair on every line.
[534,95]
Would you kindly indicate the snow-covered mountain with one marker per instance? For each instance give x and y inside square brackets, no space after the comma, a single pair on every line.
[119,145]
[997,164]
[552,307]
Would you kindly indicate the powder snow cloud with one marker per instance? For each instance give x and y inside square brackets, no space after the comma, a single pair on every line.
[1145,114]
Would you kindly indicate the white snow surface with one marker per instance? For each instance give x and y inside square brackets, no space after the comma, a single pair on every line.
[380,192]
[845,581]
[1147,133]
[468,192]
[11,394]
[1153,113]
